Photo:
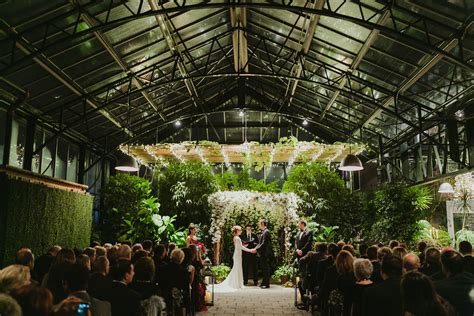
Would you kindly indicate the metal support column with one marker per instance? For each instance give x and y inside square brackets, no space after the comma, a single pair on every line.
[29,143]
[82,164]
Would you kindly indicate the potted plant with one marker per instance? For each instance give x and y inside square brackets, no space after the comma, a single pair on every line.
[284,273]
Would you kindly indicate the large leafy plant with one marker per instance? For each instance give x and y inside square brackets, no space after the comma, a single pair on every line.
[183,189]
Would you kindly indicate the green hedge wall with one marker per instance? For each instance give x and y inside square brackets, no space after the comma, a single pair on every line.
[37,217]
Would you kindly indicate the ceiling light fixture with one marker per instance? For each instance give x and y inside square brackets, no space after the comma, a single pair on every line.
[241,113]
[446,188]
[177,123]
[125,161]
[305,122]
[351,163]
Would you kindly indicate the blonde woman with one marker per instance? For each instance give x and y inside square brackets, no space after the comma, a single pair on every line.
[235,279]
[14,277]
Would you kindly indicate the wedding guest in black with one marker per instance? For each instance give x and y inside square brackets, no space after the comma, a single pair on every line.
[43,263]
[393,243]
[143,280]
[465,248]
[171,247]
[148,246]
[26,258]
[432,265]
[362,271]
[422,245]
[372,256]
[139,254]
[34,300]
[76,281]
[411,262]
[304,240]
[160,258]
[54,279]
[123,300]
[91,253]
[363,251]
[188,266]
[84,261]
[249,260]
[174,276]
[100,280]
[385,296]
[198,286]
[458,286]
[346,279]
[309,265]
[324,264]
[420,298]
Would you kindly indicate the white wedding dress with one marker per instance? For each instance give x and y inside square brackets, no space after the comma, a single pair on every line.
[235,279]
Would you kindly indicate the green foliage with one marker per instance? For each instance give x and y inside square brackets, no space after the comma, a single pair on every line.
[134,214]
[396,211]
[231,181]
[434,236]
[464,234]
[285,269]
[220,272]
[36,216]
[325,233]
[123,199]
[183,189]
[319,188]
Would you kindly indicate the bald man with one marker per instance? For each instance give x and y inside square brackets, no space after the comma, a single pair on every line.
[411,262]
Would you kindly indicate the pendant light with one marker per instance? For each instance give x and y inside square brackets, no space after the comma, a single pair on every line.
[126,162]
[350,162]
[446,188]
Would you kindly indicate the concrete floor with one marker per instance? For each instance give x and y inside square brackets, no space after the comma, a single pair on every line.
[253,301]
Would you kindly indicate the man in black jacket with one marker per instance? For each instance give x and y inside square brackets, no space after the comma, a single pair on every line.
[465,248]
[264,250]
[304,240]
[123,300]
[249,260]
[458,285]
[385,298]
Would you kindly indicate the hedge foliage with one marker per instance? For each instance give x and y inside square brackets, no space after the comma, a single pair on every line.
[37,217]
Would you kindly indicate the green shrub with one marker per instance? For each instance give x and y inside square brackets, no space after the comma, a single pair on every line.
[38,217]
[220,272]
[434,236]
[285,269]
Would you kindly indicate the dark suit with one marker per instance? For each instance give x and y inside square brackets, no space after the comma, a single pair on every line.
[249,260]
[385,297]
[469,264]
[99,285]
[456,290]
[304,242]
[264,250]
[123,300]
[97,307]
[173,276]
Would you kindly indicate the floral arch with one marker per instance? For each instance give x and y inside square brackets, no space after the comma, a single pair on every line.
[230,207]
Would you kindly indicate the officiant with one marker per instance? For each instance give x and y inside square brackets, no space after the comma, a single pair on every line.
[249,260]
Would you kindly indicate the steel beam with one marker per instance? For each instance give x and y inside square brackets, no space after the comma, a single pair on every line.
[122,64]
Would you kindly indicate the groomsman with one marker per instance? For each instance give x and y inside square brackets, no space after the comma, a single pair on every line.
[304,240]
[249,260]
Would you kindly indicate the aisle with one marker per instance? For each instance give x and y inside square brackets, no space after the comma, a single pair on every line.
[255,301]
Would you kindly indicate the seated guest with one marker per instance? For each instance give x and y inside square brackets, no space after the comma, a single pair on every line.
[385,296]
[382,252]
[465,248]
[363,251]
[159,257]
[393,243]
[362,271]
[308,266]
[346,279]
[91,253]
[458,286]
[25,257]
[324,264]
[8,306]
[432,265]
[421,245]
[113,255]
[100,251]
[143,280]
[100,281]
[124,252]
[94,244]
[399,252]
[349,248]
[148,246]
[174,276]
[14,277]
[34,300]
[139,254]
[198,286]
[372,256]
[411,262]
[419,296]
[123,300]
[54,279]
[43,263]
[76,282]
[171,247]
[136,247]
[84,261]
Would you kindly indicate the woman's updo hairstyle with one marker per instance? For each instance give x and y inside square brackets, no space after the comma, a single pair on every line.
[235,229]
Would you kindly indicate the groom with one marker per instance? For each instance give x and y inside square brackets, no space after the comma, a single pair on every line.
[264,249]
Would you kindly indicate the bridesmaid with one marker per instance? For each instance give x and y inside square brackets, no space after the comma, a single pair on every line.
[192,238]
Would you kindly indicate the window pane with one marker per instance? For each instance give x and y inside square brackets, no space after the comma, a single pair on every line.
[61,159]
[72,162]
[17,147]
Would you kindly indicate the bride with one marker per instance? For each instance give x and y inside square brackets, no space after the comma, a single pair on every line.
[235,279]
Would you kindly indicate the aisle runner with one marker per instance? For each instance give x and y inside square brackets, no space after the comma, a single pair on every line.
[255,301]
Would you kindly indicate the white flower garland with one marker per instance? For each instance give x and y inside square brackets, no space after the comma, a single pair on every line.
[281,209]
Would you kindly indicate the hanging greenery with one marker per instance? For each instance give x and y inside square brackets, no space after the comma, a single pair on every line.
[243,181]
